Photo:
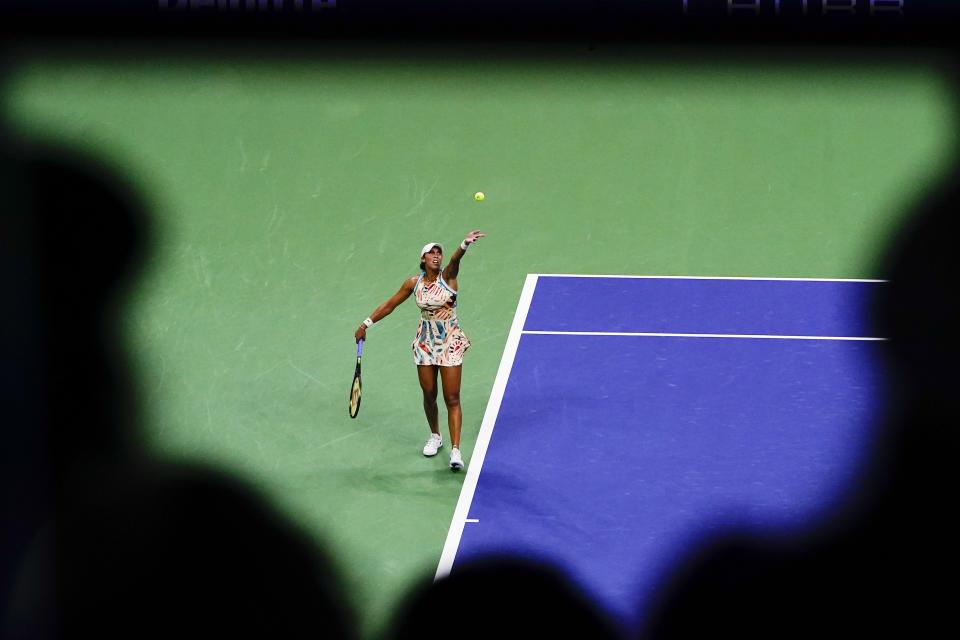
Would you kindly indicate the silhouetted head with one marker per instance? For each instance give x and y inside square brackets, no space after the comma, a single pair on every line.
[919,312]
[920,308]
[89,232]
[171,550]
[500,597]
[881,570]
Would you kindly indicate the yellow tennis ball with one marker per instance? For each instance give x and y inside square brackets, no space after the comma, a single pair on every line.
[478,196]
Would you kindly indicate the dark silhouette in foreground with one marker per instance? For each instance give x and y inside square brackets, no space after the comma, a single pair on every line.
[886,564]
[125,544]
[122,544]
[500,597]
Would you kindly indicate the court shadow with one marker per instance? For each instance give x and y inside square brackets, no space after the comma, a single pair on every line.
[446,477]
[878,565]
[424,483]
[118,542]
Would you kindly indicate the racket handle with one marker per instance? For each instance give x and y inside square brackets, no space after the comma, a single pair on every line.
[360,348]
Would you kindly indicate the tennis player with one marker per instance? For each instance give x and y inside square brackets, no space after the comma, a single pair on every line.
[440,342]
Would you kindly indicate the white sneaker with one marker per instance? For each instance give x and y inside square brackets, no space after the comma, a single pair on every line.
[433,444]
[456,462]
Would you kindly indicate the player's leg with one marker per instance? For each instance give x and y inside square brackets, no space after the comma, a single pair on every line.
[450,377]
[427,374]
[428,384]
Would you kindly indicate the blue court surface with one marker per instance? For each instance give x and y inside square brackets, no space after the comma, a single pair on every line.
[632,417]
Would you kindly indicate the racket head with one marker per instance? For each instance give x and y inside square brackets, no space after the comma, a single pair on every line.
[355,388]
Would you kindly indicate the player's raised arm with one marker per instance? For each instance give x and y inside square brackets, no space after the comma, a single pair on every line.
[386,308]
[453,267]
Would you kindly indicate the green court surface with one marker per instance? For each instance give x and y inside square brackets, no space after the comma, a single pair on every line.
[290,196]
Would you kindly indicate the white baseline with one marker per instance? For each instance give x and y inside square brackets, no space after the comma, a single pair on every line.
[587,275]
[695,335]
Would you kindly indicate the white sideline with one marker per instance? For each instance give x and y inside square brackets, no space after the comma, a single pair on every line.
[486,430]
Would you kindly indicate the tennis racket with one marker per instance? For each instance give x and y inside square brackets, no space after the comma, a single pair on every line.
[355,387]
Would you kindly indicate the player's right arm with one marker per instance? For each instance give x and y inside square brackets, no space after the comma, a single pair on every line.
[387,307]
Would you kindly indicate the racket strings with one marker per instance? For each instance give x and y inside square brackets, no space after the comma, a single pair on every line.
[355,398]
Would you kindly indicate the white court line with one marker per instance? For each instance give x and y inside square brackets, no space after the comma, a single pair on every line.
[584,275]
[486,430]
[695,335]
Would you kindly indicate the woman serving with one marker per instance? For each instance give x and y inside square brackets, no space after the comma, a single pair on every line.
[440,342]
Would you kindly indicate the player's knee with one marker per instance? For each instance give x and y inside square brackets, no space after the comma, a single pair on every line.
[451,399]
[429,398]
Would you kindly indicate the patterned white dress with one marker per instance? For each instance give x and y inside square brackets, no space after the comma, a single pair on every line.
[440,341]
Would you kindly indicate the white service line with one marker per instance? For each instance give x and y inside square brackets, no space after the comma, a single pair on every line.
[696,335]
[486,430]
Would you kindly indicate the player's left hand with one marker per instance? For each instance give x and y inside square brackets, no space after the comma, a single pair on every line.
[473,236]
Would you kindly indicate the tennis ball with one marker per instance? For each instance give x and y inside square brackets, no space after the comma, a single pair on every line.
[478,196]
